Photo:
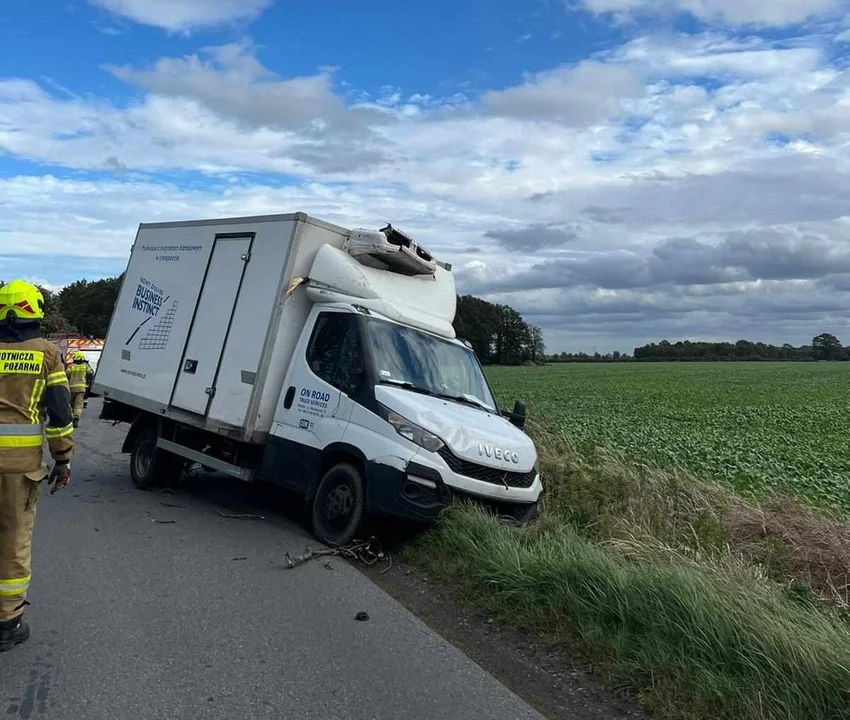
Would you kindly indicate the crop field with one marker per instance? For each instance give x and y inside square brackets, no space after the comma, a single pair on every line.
[758,428]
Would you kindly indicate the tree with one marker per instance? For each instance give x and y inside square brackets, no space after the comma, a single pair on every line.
[54,321]
[826,347]
[537,346]
[497,333]
[88,305]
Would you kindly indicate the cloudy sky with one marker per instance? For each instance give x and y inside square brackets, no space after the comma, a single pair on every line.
[620,171]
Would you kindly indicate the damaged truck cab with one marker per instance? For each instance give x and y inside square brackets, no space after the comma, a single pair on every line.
[285,349]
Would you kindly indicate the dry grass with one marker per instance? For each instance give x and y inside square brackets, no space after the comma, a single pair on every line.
[796,544]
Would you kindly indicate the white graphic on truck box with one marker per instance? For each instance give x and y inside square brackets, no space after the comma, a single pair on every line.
[157,336]
[149,300]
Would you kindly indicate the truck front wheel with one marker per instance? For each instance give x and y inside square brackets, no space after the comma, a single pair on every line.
[149,466]
[339,505]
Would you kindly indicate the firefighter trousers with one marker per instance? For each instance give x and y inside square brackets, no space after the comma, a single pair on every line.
[78,400]
[19,494]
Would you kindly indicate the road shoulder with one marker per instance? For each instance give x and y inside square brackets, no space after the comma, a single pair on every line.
[546,678]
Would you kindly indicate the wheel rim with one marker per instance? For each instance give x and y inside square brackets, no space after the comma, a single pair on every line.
[143,459]
[339,505]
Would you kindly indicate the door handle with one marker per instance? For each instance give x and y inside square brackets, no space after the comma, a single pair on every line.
[289,397]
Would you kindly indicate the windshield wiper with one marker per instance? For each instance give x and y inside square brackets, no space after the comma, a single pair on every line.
[407,386]
[466,400]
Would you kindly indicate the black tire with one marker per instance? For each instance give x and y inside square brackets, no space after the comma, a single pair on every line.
[150,467]
[339,505]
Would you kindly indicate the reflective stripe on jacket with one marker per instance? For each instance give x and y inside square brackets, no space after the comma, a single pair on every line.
[78,377]
[35,403]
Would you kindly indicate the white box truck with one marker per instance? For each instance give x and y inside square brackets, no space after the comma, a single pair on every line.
[286,349]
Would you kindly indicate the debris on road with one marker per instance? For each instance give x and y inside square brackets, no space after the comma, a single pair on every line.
[238,516]
[367,552]
[361,616]
[163,522]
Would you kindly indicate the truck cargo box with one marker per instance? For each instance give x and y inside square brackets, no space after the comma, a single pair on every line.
[203,330]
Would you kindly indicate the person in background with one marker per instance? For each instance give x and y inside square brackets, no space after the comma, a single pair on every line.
[80,376]
[33,387]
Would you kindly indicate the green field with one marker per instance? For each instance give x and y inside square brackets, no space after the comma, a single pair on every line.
[758,428]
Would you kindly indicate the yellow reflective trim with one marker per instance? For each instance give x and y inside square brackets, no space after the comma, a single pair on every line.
[21,362]
[59,432]
[14,586]
[21,441]
[57,378]
[35,399]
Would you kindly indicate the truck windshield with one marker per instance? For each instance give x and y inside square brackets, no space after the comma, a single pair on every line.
[421,362]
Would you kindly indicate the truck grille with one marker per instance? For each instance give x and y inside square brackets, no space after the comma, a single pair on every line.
[495,476]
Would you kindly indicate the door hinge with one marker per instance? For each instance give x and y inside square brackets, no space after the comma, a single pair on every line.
[210,391]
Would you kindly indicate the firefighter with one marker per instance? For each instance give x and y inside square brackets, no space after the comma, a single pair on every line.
[33,387]
[79,379]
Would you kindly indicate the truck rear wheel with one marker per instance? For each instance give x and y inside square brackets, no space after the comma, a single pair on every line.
[151,467]
[339,505]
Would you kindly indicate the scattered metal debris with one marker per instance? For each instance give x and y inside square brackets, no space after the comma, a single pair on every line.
[238,516]
[367,552]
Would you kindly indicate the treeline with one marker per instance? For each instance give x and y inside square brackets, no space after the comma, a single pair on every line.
[824,347]
[497,333]
[583,357]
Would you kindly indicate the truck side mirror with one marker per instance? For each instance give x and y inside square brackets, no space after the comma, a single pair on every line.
[517,417]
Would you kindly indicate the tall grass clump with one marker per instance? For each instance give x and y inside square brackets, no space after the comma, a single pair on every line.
[697,638]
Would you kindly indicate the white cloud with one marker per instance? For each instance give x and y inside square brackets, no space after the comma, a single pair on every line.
[775,13]
[581,95]
[185,15]
[231,82]
[714,54]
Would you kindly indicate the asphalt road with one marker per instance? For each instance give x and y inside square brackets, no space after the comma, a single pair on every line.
[148,606]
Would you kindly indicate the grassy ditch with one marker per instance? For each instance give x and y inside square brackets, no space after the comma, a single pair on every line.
[710,606]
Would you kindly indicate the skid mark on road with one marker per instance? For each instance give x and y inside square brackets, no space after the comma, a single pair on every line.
[33,702]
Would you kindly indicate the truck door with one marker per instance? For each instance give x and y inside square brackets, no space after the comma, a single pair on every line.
[198,371]
[317,402]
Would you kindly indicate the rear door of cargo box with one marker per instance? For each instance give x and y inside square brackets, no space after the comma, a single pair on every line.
[199,368]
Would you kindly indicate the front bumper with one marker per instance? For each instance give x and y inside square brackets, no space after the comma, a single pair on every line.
[420,492]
